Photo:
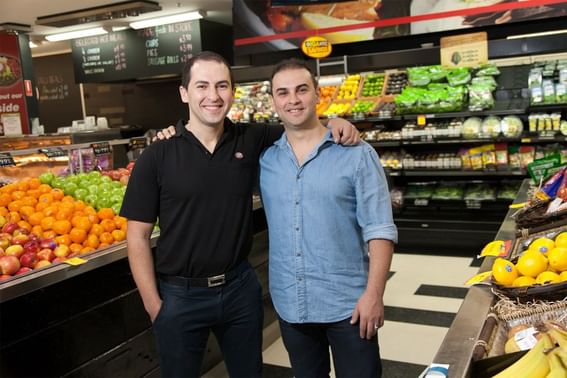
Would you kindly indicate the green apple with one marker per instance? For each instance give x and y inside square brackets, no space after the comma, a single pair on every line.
[81,193]
[45,178]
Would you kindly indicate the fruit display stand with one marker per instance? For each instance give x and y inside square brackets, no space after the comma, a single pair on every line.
[460,341]
[89,320]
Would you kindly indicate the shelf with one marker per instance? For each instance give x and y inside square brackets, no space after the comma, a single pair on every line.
[447,173]
[523,139]
[546,108]
[501,108]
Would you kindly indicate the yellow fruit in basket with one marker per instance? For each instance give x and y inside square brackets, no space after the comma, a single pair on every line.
[523,281]
[557,258]
[547,277]
[563,276]
[561,240]
[504,272]
[531,263]
[543,245]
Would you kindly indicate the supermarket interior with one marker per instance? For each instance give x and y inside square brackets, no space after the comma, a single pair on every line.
[464,101]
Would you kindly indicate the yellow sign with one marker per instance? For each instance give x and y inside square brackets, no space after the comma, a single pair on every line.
[480,278]
[316,47]
[467,50]
[75,261]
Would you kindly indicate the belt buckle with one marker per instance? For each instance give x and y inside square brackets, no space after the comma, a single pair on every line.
[216,280]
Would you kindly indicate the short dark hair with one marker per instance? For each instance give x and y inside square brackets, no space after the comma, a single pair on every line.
[206,56]
[292,64]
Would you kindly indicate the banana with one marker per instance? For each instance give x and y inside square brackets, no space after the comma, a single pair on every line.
[556,368]
[511,346]
[559,337]
[494,248]
[533,364]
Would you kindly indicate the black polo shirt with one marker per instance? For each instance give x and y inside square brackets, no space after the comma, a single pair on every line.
[203,200]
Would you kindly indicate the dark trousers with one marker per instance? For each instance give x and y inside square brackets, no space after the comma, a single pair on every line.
[308,347]
[233,312]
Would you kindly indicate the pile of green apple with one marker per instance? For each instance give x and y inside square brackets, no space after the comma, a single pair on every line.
[93,188]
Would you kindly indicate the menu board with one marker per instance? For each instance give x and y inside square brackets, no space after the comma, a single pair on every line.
[133,54]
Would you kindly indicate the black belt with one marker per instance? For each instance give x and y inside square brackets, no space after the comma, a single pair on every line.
[213,281]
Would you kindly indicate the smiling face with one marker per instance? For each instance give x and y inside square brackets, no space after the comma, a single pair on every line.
[295,97]
[209,93]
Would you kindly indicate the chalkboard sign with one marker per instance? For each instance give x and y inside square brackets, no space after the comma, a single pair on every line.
[133,54]
[6,159]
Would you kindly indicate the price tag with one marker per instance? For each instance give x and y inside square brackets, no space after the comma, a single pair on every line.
[473,204]
[75,261]
[421,202]
[359,116]
[53,152]
[526,140]
[137,143]
[479,278]
[6,160]
[421,121]
[101,148]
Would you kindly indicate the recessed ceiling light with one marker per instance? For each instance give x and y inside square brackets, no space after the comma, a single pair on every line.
[75,34]
[189,16]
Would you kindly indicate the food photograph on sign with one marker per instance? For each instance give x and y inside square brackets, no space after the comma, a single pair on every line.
[267,25]
[9,71]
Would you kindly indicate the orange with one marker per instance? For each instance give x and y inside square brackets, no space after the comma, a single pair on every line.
[108,225]
[103,245]
[92,241]
[63,239]
[50,211]
[79,205]
[93,218]
[3,211]
[44,188]
[41,206]
[26,211]
[87,250]
[105,213]
[118,235]
[68,199]
[18,194]
[24,225]
[8,188]
[57,194]
[124,227]
[15,205]
[37,231]
[79,213]
[106,237]
[89,210]
[78,235]
[119,221]
[46,198]
[34,183]
[35,218]
[35,193]
[75,247]
[64,214]
[83,223]
[5,199]
[29,201]
[13,217]
[49,234]
[62,226]
[66,205]
[23,185]
[96,229]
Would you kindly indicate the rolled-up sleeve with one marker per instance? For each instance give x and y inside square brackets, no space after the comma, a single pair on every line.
[373,204]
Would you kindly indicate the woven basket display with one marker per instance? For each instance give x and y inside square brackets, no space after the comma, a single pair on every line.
[535,216]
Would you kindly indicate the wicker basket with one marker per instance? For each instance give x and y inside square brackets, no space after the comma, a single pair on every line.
[535,216]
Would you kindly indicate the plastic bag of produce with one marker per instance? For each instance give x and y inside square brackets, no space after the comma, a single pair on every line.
[512,126]
[458,76]
[418,76]
[480,97]
[488,70]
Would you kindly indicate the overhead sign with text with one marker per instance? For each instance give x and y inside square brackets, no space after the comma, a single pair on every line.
[261,26]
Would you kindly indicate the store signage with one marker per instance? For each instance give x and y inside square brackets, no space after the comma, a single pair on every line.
[13,111]
[101,148]
[53,152]
[466,50]
[6,159]
[316,47]
[134,54]
[137,143]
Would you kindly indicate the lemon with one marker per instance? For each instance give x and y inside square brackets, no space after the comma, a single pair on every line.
[557,258]
[531,263]
[504,272]
[543,245]
[523,281]
[547,277]
[561,240]
[563,276]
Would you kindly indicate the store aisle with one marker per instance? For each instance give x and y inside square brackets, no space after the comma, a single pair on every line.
[422,297]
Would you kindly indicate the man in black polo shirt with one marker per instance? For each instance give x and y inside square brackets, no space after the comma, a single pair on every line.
[199,183]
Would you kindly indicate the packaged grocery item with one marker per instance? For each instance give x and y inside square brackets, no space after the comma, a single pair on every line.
[490,127]
[476,158]
[512,126]
[527,154]
[465,158]
[501,152]
[488,69]
[536,95]
[471,127]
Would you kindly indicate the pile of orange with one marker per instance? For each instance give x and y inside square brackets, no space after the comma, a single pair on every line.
[48,213]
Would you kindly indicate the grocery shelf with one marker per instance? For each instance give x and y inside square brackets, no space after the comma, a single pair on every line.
[546,108]
[432,172]
[522,139]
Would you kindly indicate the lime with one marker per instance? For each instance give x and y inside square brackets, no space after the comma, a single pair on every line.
[504,272]
[547,277]
[557,258]
[542,245]
[531,263]
[523,281]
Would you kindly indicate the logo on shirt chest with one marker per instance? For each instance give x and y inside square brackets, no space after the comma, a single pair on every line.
[239,155]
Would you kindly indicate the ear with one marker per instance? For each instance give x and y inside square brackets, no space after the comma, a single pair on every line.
[183,93]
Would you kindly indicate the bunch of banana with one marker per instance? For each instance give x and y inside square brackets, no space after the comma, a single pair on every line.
[545,359]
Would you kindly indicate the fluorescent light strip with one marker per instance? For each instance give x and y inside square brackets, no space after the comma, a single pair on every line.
[195,15]
[75,34]
[541,34]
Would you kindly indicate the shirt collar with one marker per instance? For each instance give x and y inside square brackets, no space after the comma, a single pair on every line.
[283,142]
[180,129]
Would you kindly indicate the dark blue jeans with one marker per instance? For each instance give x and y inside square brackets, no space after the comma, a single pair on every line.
[308,347]
[233,312]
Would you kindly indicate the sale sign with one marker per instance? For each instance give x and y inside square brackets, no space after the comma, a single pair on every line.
[13,112]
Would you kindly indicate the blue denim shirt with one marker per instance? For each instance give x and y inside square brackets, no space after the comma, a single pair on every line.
[321,216]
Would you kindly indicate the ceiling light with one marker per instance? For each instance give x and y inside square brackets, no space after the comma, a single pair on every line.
[75,34]
[195,15]
[540,34]
[32,45]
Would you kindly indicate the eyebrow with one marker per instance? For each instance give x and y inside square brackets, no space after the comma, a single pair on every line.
[217,83]
[296,88]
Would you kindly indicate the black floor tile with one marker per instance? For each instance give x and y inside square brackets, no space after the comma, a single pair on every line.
[476,262]
[442,291]
[273,371]
[425,317]
[390,274]
[398,369]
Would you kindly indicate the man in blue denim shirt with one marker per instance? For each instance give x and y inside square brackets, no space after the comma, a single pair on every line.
[331,236]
